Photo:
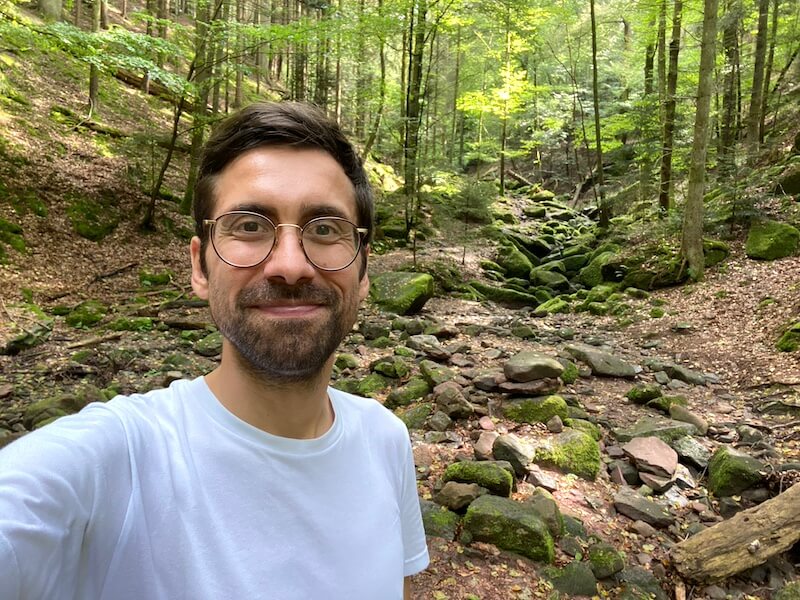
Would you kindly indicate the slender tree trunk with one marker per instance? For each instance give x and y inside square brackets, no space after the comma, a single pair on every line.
[692,244]
[373,134]
[504,124]
[78,13]
[669,113]
[416,47]
[662,59]
[605,216]
[103,14]
[754,114]
[768,70]
[94,72]
[238,94]
[729,118]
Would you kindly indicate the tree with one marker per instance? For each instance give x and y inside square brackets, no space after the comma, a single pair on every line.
[668,137]
[692,244]
[754,114]
[604,210]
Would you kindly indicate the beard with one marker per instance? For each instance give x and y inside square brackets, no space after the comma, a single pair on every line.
[290,351]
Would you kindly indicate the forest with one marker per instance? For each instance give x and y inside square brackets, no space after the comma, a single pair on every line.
[585,273]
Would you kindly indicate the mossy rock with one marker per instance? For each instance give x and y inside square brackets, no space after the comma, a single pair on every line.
[346,361]
[770,240]
[539,195]
[571,451]
[536,410]
[585,426]
[791,591]
[570,373]
[574,579]
[550,279]
[663,403]
[87,313]
[591,275]
[790,339]
[439,521]
[605,560]
[49,409]
[415,416]
[414,389]
[513,262]
[132,324]
[210,345]
[551,307]
[11,235]
[731,472]
[401,293]
[503,295]
[642,394]
[371,385]
[715,252]
[510,526]
[392,367]
[492,475]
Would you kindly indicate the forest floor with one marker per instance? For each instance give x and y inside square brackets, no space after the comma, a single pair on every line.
[725,325]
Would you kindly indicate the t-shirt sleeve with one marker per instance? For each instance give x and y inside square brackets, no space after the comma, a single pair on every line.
[54,483]
[415,547]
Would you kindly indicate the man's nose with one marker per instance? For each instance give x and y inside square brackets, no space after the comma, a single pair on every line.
[287,261]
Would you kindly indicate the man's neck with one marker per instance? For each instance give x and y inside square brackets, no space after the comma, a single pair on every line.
[292,410]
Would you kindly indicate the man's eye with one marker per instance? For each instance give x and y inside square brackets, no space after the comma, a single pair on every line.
[323,230]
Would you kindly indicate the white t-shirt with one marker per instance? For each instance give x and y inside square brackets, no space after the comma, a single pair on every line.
[168,495]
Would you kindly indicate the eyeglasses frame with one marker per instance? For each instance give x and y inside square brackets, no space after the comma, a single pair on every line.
[210,223]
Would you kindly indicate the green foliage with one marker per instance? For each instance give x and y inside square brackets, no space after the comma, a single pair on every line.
[93,219]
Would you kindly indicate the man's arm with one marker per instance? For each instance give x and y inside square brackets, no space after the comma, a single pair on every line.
[407,588]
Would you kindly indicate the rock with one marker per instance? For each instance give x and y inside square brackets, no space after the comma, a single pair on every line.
[528,366]
[438,521]
[210,345]
[486,423]
[655,482]
[483,447]
[510,526]
[392,367]
[664,429]
[414,389]
[536,410]
[48,410]
[457,496]
[663,403]
[748,435]
[449,397]
[685,374]
[769,240]
[346,361]
[640,579]
[488,381]
[623,473]
[429,345]
[790,339]
[602,363]
[515,450]
[570,545]
[541,479]
[605,560]
[439,421]
[652,455]
[549,279]
[86,314]
[571,451]
[585,426]
[575,579]
[372,330]
[537,387]
[683,414]
[371,384]
[731,472]
[513,262]
[546,507]
[642,394]
[415,416]
[495,476]
[643,529]
[551,307]
[435,374]
[691,451]
[637,507]
[401,293]
[554,424]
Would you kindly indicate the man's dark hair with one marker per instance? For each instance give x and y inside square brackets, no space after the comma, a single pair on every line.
[295,124]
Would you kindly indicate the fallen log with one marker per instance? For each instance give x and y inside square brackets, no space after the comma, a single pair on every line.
[746,540]
[519,178]
[152,87]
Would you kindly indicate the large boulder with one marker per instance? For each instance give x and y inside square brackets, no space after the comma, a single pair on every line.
[513,261]
[510,526]
[575,579]
[789,180]
[401,293]
[527,366]
[536,410]
[495,476]
[769,240]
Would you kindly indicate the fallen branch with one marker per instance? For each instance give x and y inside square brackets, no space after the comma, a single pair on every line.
[746,540]
[94,340]
[117,271]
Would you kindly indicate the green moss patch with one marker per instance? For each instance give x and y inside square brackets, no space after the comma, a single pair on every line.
[93,219]
[790,339]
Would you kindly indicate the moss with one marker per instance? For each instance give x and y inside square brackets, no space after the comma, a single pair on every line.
[93,219]
[790,339]
[769,240]
[148,278]
[393,367]
[414,417]
[731,472]
[663,403]
[487,474]
[642,394]
[537,410]
[380,342]
[585,426]
[371,384]
[11,235]
[503,295]
[86,314]
[572,451]
[605,560]
[556,305]
[657,313]
[591,275]
[570,373]
[440,522]
[513,262]
[414,389]
[132,324]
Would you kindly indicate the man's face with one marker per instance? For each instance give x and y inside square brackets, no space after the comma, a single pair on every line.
[283,318]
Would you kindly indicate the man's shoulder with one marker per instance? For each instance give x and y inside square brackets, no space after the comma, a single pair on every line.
[367,409]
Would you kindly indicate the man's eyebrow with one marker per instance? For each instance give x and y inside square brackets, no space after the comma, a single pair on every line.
[260,209]
[311,211]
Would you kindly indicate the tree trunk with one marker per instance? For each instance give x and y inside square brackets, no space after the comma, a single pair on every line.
[754,114]
[104,14]
[746,540]
[238,95]
[51,9]
[728,131]
[94,72]
[669,112]
[454,106]
[373,134]
[662,59]
[413,112]
[768,70]
[78,13]
[605,216]
[692,244]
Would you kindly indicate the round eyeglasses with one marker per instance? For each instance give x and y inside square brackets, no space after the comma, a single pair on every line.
[245,239]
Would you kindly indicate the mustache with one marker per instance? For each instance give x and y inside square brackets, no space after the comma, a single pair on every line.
[266,292]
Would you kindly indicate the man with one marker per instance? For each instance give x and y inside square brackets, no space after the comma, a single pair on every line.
[257,480]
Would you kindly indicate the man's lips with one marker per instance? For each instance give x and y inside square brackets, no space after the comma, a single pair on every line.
[288,310]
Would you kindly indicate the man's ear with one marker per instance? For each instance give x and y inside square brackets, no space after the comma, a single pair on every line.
[199,278]
[363,287]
